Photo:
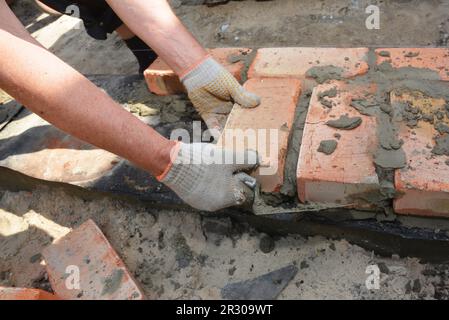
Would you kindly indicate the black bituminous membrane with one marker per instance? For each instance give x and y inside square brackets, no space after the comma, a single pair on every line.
[389,155]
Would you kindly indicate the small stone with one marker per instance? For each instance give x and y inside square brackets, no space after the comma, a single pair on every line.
[304,265]
[408,287]
[143,110]
[383,268]
[266,244]
[35,258]
[417,286]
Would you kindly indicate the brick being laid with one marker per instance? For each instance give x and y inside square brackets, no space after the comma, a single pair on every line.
[300,62]
[265,128]
[163,81]
[344,175]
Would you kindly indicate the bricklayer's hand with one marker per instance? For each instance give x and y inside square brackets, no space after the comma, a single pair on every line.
[210,178]
[212,90]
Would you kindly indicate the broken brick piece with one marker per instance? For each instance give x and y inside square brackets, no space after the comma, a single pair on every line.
[435,60]
[298,62]
[265,128]
[348,173]
[423,185]
[83,265]
[161,80]
[25,294]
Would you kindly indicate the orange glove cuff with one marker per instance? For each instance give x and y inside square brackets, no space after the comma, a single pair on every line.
[173,155]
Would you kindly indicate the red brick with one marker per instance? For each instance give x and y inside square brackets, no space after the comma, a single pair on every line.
[349,171]
[25,294]
[424,182]
[161,80]
[102,274]
[436,59]
[276,113]
[295,62]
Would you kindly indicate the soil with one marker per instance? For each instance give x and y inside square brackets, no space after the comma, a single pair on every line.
[183,255]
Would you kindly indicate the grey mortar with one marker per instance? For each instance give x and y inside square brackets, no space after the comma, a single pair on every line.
[327,146]
[345,122]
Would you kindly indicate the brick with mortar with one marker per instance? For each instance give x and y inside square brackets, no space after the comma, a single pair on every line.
[435,60]
[423,185]
[85,255]
[296,62]
[340,177]
[270,123]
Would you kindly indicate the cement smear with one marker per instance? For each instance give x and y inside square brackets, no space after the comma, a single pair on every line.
[247,59]
[289,187]
[345,122]
[112,283]
[363,106]
[327,146]
[442,145]
[323,97]
[331,93]
[323,73]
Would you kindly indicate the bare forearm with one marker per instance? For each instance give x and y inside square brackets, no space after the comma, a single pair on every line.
[155,23]
[64,97]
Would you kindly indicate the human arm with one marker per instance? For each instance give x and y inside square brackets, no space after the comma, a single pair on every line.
[64,97]
[210,86]
[61,95]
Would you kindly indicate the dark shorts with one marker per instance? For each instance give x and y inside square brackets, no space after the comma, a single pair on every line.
[98,18]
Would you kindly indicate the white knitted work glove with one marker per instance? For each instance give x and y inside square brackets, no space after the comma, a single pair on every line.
[210,178]
[211,88]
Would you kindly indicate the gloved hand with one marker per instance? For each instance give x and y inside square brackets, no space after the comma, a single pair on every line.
[208,177]
[211,88]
